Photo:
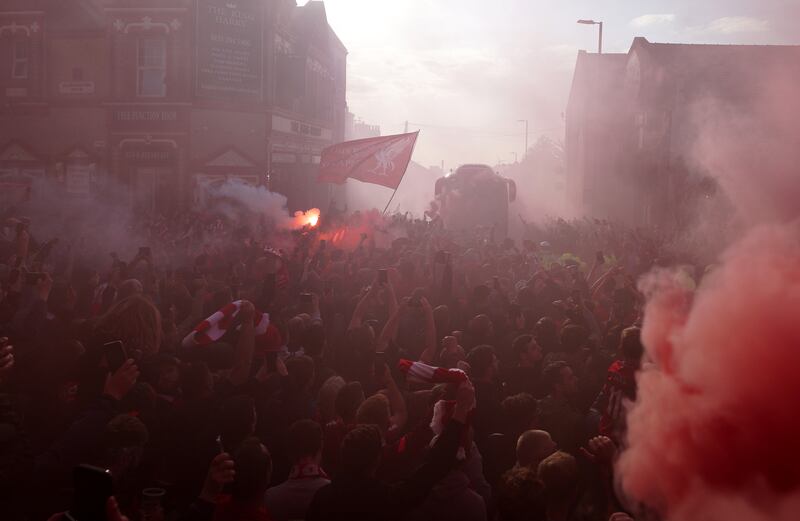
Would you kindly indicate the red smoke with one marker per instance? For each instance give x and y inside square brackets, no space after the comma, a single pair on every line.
[714,434]
[372,223]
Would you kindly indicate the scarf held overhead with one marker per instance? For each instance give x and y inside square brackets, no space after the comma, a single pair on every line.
[214,327]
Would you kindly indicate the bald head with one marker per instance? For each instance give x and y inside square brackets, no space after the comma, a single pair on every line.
[533,447]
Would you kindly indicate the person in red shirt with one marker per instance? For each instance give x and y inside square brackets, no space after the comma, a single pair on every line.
[620,386]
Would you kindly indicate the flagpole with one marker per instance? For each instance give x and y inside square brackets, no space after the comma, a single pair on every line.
[404,172]
[393,194]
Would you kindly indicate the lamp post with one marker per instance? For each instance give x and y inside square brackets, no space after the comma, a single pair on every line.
[525,152]
[600,35]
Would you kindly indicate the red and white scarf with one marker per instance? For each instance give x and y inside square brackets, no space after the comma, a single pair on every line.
[443,409]
[214,327]
[424,373]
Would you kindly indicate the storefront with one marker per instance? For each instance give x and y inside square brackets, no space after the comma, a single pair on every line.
[228,164]
[149,166]
[20,168]
[295,150]
[80,173]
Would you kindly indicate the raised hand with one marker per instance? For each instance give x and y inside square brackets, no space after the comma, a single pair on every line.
[122,381]
[601,450]
[220,473]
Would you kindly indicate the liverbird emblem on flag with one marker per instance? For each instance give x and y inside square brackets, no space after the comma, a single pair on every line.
[384,158]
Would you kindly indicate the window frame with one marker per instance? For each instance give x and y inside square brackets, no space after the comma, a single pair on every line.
[140,67]
[16,61]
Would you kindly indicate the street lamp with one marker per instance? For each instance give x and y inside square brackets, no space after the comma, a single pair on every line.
[525,152]
[600,36]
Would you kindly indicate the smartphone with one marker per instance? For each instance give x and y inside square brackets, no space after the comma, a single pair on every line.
[306,298]
[92,488]
[601,259]
[115,355]
[379,360]
[34,277]
[383,277]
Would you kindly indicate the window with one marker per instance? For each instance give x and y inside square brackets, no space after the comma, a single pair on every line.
[152,68]
[19,60]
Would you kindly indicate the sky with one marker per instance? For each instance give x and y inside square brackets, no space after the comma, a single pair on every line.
[463,72]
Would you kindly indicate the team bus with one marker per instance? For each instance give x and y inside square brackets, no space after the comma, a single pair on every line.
[475,197]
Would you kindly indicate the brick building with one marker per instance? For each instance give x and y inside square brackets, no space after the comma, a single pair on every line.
[634,120]
[168,97]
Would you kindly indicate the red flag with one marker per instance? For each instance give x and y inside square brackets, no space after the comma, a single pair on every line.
[379,160]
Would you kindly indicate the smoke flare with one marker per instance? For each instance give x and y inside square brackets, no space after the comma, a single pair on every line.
[714,433]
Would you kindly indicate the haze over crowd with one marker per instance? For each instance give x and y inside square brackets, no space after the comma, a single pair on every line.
[468,70]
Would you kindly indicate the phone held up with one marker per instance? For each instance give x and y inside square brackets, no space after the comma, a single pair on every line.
[115,355]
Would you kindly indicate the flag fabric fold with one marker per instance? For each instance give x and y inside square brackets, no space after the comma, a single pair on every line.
[380,160]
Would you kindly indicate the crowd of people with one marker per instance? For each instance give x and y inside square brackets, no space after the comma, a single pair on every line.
[230,372]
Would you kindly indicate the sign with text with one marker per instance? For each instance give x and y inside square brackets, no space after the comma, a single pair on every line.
[148,155]
[229,49]
[290,126]
[78,179]
[152,118]
[76,87]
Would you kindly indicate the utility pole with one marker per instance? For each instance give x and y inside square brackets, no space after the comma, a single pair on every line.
[525,152]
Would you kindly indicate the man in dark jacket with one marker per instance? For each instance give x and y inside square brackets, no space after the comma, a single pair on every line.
[355,494]
[557,413]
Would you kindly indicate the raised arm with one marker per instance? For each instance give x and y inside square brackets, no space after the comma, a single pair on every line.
[361,308]
[388,332]
[603,278]
[389,287]
[442,458]
[428,355]
[396,401]
[245,345]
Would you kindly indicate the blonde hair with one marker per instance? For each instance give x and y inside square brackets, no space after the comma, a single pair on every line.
[136,322]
